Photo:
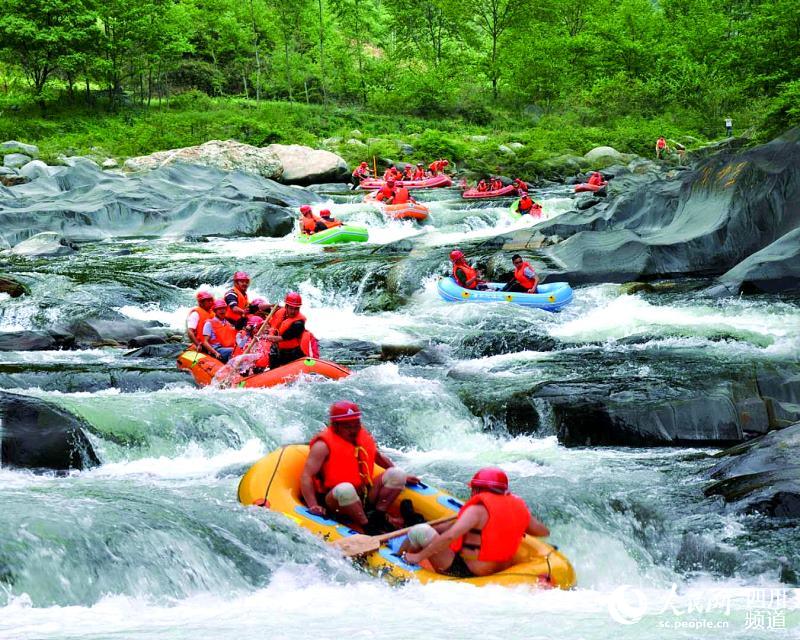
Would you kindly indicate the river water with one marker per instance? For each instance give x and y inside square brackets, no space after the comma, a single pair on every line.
[153,544]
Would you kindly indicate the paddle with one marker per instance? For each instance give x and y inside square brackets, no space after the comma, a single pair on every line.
[226,379]
[260,329]
[360,544]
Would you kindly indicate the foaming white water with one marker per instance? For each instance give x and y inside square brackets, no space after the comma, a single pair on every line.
[299,603]
[84,356]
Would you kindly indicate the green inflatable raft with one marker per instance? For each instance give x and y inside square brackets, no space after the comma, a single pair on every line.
[336,235]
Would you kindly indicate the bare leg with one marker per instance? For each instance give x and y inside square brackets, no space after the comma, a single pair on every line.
[385,490]
[345,502]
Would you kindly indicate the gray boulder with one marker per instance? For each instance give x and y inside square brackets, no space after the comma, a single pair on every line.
[35,169]
[74,161]
[109,163]
[45,244]
[603,153]
[16,160]
[14,146]
[34,341]
[228,155]
[304,165]
[762,475]
[38,435]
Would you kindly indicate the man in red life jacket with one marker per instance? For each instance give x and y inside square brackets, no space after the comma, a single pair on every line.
[527,206]
[401,196]
[497,184]
[596,179]
[197,318]
[419,172]
[482,186]
[386,192]
[465,275]
[520,185]
[408,172]
[338,477]
[525,279]
[219,335]
[391,173]
[484,538]
[330,223]
[236,299]
[309,223]
[661,148]
[288,328]
[361,172]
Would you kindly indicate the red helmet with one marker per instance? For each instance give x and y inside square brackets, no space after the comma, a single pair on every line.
[344,411]
[305,209]
[219,304]
[456,255]
[490,478]
[325,213]
[364,164]
[257,302]
[390,183]
[241,275]
[204,295]
[445,163]
[293,299]
[255,321]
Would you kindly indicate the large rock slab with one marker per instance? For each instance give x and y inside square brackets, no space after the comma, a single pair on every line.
[38,435]
[85,203]
[228,155]
[16,160]
[35,169]
[762,475]
[602,153]
[304,165]
[699,222]
[43,245]
[34,341]
[14,146]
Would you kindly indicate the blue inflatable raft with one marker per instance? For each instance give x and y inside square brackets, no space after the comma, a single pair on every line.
[550,297]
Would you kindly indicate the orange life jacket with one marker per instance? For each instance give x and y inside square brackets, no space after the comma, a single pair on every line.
[204,317]
[470,275]
[401,196]
[520,185]
[419,174]
[525,204]
[519,274]
[596,178]
[280,323]
[384,193]
[241,302]
[308,225]
[346,462]
[505,528]
[224,333]
[309,345]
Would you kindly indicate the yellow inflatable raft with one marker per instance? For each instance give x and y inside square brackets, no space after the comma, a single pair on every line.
[274,482]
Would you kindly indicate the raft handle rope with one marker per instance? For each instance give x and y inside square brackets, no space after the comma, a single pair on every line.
[274,471]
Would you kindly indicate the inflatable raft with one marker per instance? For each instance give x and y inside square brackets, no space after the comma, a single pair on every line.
[203,367]
[273,482]
[427,183]
[336,235]
[508,190]
[550,297]
[585,186]
[405,211]
[535,212]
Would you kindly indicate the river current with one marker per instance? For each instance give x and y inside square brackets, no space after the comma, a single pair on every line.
[153,543]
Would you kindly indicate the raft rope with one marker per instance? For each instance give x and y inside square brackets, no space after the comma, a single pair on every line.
[274,471]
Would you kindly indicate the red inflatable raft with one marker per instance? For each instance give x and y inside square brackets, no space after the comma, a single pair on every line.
[427,183]
[405,211]
[585,186]
[203,368]
[509,190]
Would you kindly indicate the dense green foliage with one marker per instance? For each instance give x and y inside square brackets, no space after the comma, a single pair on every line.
[606,64]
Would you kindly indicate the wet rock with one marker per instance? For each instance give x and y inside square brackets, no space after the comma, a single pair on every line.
[762,475]
[12,180]
[304,165]
[406,149]
[13,146]
[330,187]
[85,203]
[353,142]
[109,163]
[774,269]
[168,351]
[506,149]
[93,332]
[75,161]
[12,287]
[586,201]
[16,160]
[432,355]
[34,341]
[702,223]
[227,155]
[394,352]
[38,435]
[45,244]
[146,340]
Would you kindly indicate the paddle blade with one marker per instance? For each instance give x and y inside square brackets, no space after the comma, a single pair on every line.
[357,545]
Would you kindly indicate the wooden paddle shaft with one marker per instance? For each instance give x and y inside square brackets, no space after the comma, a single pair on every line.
[400,532]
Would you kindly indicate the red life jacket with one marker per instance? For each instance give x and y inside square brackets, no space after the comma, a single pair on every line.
[281,323]
[346,462]
[521,185]
[204,317]
[661,143]
[470,275]
[401,196]
[241,302]
[308,225]
[496,185]
[309,345]
[525,204]
[419,174]
[596,178]
[224,333]
[505,528]
[384,193]
[435,167]
[331,223]
[519,274]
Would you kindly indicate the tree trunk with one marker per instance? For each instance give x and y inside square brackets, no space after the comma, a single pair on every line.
[322,55]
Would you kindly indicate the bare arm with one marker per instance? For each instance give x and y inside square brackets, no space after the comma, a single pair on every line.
[536,528]
[316,458]
[383,460]
[470,519]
